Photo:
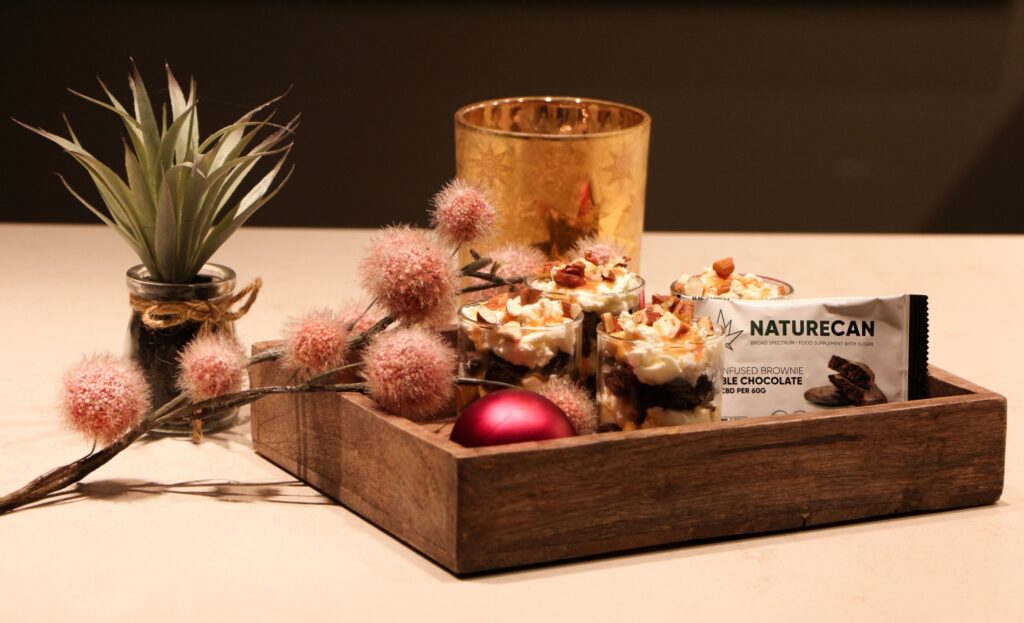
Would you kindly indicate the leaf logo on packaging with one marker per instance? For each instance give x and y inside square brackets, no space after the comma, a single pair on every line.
[730,335]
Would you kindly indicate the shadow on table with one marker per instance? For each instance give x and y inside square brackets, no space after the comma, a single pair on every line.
[238,433]
[126,490]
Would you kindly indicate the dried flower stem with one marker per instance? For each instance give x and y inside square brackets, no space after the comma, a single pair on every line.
[462,380]
[360,341]
[179,407]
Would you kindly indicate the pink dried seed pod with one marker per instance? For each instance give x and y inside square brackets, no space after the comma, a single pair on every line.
[462,213]
[412,277]
[410,372]
[211,365]
[572,399]
[316,341]
[514,260]
[598,250]
[103,396]
[358,317]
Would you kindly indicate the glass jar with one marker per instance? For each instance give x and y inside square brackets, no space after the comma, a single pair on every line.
[156,350]
[593,305]
[644,384]
[523,356]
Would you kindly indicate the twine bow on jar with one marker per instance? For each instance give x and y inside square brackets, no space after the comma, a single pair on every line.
[211,315]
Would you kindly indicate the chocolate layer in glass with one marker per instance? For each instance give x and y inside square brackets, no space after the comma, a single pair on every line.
[658,367]
[520,339]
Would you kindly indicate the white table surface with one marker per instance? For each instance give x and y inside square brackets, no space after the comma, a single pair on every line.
[173,531]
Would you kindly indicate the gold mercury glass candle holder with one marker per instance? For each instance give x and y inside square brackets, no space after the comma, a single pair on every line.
[557,169]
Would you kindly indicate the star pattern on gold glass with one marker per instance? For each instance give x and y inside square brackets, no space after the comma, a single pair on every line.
[559,168]
[622,166]
[489,166]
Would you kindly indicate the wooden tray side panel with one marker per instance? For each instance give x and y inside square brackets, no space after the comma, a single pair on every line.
[354,455]
[527,507]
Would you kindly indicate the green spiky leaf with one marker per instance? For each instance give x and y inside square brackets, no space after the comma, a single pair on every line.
[176,205]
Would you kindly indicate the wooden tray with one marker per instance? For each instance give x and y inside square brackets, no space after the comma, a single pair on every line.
[480,509]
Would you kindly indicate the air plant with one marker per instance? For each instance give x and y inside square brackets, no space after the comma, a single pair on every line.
[181,197]
[409,369]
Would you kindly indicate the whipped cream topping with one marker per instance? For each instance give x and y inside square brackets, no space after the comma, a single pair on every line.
[526,334]
[657,353]
[746,286]
[609,287]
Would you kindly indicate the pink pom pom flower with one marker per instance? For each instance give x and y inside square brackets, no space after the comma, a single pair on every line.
[358,317]
[410,372]
[574,402]
[514,260]
[596,250]
[103,397]
[316,341]
[211,365]
[410,275]
[462,213]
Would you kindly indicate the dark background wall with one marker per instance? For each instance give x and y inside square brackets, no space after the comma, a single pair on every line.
[823,116]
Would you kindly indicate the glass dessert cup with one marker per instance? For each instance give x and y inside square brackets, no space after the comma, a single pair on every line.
[557,169]
[785,291]
[641,384]
[523,356]
[593,305]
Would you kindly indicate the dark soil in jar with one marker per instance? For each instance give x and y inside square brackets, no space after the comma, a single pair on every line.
[156,353]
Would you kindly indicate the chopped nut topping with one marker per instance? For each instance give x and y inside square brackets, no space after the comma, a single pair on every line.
[723,288]
[497,301]
[724,267]
[652,315]
[667,326]
[705,323]
[684,311]
[514,306]
[693,287]
[609,323]
[567,309]
[661,299]
[486,314]
[571,276]
[529,296]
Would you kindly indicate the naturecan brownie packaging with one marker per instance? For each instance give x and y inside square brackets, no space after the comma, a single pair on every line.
[801,355]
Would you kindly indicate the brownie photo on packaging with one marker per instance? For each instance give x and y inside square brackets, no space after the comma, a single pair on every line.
[852,384]
[799,355]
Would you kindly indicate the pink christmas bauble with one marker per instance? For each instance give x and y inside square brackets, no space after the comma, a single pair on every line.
[510,416]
